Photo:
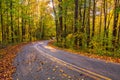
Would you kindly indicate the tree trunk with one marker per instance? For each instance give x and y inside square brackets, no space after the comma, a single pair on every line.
[65,26]
[11,23]
[100,27]
[76,22]
[1,21]
[23,26]
[60,20]
[94,14]
[88,25]
[119,34]
[116,15]
[56,20]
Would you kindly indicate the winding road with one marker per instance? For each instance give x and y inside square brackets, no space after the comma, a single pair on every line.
[38,61]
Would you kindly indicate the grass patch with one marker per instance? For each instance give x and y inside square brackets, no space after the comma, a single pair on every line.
[89,53]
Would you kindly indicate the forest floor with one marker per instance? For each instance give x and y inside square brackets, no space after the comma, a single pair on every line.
[7,56]
[83,53]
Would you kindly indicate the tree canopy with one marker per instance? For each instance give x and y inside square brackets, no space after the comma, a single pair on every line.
[90,25]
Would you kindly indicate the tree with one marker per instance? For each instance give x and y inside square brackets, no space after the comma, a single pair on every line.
[76,21]
[115,24]
[88,24]
[94,14]
[60,20]
[56,20]
[1,20]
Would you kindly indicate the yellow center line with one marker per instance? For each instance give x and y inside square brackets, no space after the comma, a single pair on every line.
[75,68]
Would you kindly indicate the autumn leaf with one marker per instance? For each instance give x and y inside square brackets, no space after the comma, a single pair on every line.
[6,61]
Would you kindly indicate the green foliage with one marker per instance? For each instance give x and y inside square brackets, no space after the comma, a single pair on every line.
[25,21]
[118,10]
[34,20]
[70,41]
[117,53]
[92,26]
[103,49]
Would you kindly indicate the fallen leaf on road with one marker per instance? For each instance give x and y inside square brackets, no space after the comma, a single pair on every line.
[69,77]
[61,70]
[6,62]
[48,78]
[65,75]
[54,70]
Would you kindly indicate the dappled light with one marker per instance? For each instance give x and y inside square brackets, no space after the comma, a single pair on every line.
[59,39]
[50,48]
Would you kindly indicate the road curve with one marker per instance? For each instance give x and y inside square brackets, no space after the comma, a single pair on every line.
[98,69]
[38,61]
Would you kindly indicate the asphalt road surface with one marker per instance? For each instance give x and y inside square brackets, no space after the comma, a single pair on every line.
[38,61]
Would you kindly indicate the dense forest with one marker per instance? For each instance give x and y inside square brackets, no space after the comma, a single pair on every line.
[25,20]
[88,25]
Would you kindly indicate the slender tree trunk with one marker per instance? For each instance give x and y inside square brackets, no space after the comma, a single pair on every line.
[84,17]
[19,39]
[65,26]
[88,25]
[94,14]
[119,26]
[80,21]
[23,27]
[56,20]
[116,15]
[105,25]
[76,21]
[105,18]
[8,39]
[119,34]
[100,22]
[11,18]
[1,21]
[60,19]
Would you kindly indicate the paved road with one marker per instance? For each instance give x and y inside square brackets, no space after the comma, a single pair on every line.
[71,66]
